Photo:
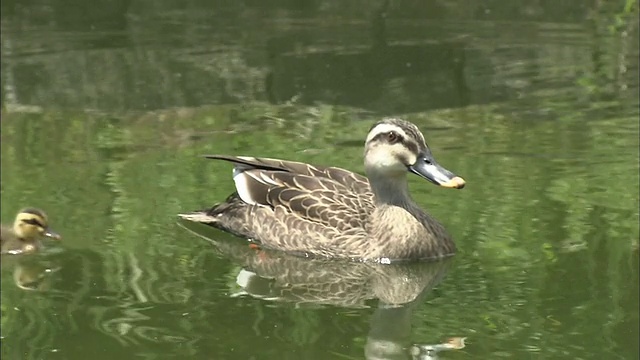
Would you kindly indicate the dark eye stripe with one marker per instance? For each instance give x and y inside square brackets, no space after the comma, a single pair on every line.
[383,137]
[33,222]
[412,146]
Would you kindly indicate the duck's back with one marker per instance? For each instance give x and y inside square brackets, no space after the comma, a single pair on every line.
[294,207]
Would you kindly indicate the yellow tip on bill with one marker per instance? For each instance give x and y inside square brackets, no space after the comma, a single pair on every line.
[456,183]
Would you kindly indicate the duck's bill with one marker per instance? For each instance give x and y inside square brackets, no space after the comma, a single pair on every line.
[51,234]
[427,168]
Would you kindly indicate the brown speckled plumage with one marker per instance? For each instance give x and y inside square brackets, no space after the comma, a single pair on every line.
[332,212]
[281,277]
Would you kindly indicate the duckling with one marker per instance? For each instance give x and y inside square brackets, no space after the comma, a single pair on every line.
[29,226]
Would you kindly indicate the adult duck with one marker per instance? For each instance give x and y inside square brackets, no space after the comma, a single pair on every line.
[332,212]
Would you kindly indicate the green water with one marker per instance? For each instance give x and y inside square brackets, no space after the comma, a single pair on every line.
[105,114]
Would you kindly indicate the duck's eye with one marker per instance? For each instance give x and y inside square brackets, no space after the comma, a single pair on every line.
[393,137]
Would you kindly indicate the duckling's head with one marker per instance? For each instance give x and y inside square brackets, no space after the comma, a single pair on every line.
[32,223]
[395,147]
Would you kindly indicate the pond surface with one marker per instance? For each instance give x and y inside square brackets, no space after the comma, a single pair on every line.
[107,108]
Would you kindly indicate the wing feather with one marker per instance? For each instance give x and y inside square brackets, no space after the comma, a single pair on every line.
[315,194]
[356,182]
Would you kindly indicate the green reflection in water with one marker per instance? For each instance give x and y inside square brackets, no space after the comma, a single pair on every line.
[547,228]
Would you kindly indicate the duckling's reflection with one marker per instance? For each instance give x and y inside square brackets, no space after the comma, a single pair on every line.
[34,276]
[400,288]
[30,272]
[76,296]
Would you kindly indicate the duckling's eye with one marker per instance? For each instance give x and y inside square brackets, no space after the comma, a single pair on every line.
[393,137]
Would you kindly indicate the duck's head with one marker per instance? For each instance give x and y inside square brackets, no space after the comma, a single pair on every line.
[395,147]
[32,223]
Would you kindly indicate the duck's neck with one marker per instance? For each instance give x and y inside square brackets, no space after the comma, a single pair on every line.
[390,190]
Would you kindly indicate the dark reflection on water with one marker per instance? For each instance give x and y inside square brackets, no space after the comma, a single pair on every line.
[386,57]
[275,276]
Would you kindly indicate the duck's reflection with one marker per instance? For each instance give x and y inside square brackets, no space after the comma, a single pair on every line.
[399,289]
[136,304]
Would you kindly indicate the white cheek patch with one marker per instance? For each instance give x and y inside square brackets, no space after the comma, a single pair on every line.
[411,158]
[385,158]
[382,158]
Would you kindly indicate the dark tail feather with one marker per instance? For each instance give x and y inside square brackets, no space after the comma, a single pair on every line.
[227,215]
[210,216]
[230,204]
